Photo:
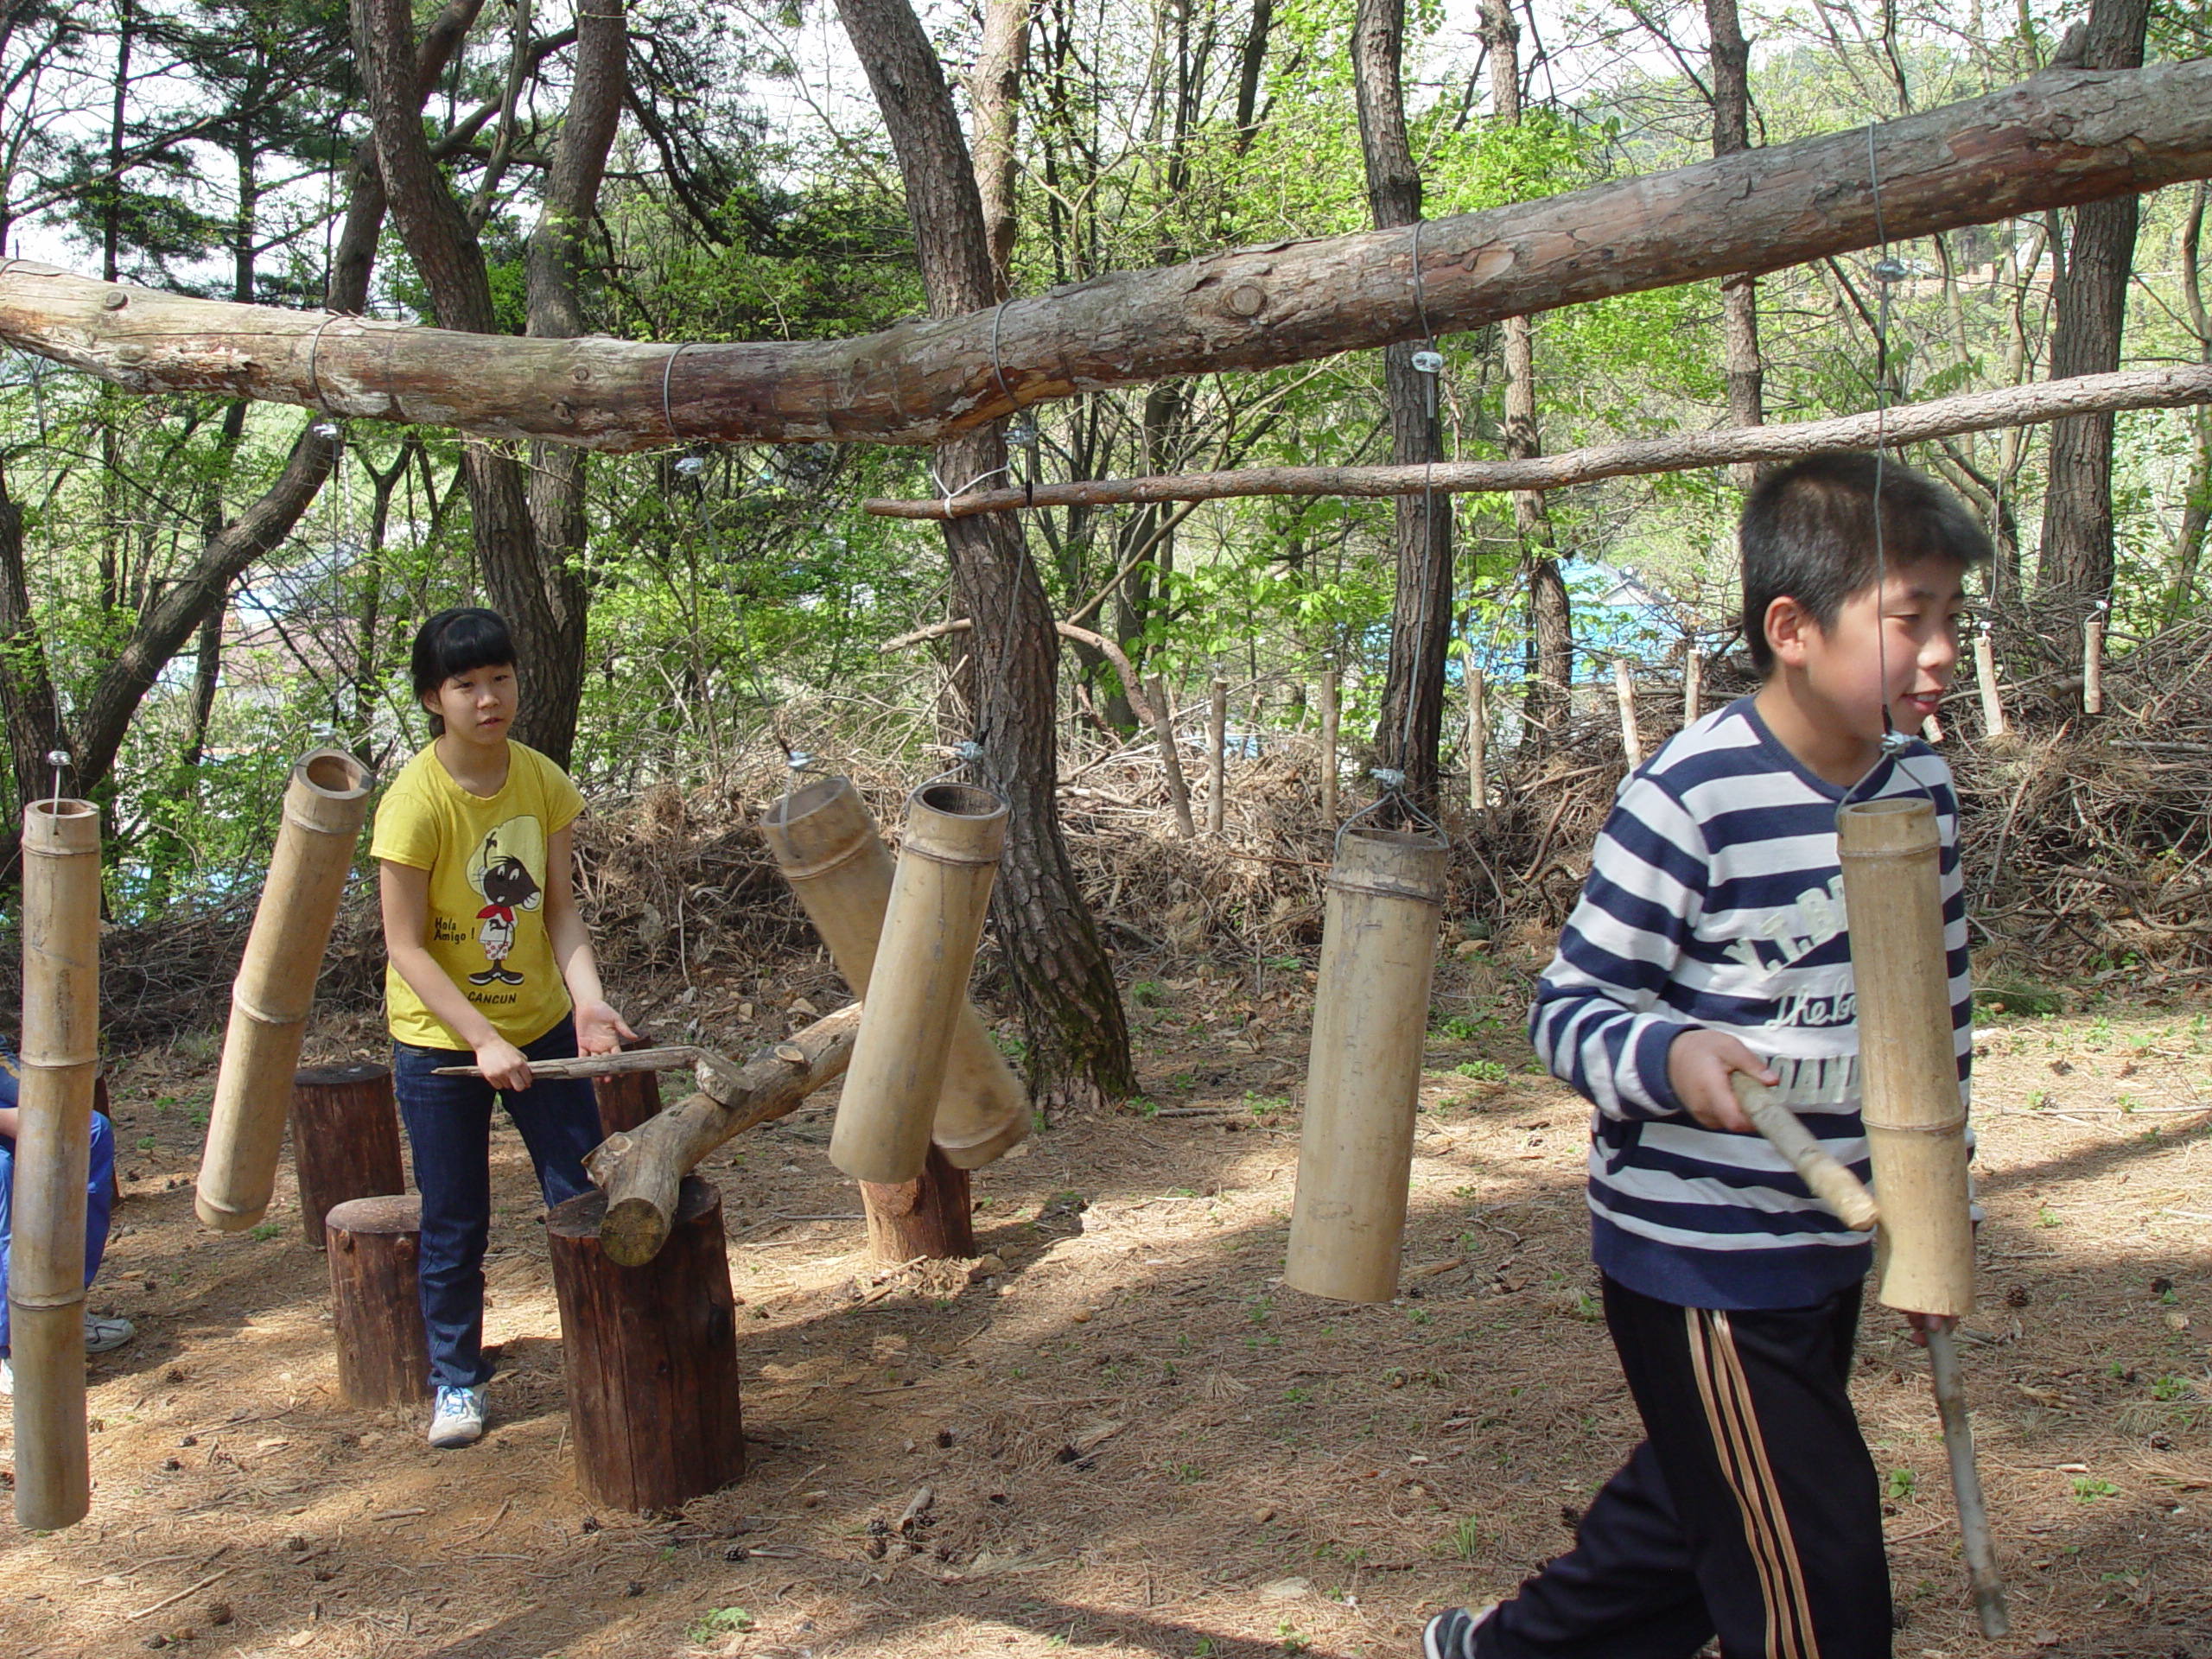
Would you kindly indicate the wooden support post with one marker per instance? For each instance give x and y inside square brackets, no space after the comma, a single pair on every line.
[374,1245]
[626,1099]
[1170,760]
[1993,700]
[1693,683]
[928,1215]
[826,845]
[344,1140]
[1624,693]
[1330,714]
[53,1152]
[2093,665]
[1478,742]
[1218,758]
[650,1355]
[324,806]
[1371,1021]
[917,988]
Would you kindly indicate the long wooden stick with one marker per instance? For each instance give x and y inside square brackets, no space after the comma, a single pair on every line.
[2061,137]
[1832,1184]
[597,1066]
[1965,1482]
[1943,417]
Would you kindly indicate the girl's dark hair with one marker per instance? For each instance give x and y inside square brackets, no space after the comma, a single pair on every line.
[1809,535]
[457,641]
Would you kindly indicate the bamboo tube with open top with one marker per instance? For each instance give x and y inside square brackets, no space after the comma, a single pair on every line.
[324,806]
[918,985]
[827,847]
[1371,1021]
[53,1149]
[1915,1119]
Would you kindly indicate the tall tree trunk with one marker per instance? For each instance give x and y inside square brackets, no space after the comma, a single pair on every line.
[450,261]
[2077,562]
[552,274]
[994,95]
[32,713]
[1411,722]
[1551,611]
[1739,306]
[1079,1039]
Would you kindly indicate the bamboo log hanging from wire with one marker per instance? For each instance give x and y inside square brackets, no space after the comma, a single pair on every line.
[1693,683]
[2093,665]
[1478,743]
[1218,759]
[1625,691]
[1943,417]
[1329,718]
[1993,699]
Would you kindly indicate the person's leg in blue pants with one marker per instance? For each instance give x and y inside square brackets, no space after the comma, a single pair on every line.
[449,1122]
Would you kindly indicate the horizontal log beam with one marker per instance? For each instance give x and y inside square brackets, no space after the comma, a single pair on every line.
[1943,417]
[2059,138]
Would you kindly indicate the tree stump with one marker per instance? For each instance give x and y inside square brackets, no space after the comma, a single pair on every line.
[344,1140]
[383,1357]
[928,1215]
[628,1099]
[651,1356]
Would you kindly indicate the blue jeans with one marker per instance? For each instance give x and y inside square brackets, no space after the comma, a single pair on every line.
[99,1191]
[449,1131]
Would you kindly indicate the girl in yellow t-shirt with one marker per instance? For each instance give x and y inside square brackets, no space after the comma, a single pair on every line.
[488,956]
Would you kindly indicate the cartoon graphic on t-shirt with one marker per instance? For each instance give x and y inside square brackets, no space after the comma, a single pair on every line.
[500,870]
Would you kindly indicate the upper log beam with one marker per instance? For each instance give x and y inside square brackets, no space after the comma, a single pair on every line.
[2055,140]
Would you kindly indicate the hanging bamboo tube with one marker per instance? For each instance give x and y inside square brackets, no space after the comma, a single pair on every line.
[1163,730]
[918,984]
[1993,700]
[54,1147]
[1477,742]
[1624,694]
[1371,1021]
[826,845]
[1329,715]
[1218,758]
[324,806]
[1692,684]
[2093,665]
[1916,1122]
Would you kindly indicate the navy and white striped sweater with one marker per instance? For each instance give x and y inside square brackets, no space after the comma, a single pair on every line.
[1715,899]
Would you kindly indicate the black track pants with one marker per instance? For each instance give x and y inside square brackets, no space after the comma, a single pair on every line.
[1750,1509]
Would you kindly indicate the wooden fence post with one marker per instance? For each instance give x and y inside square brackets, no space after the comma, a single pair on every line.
[1993,701]
[1329,716]
[1218,776]
[1624,690]
[1477,742]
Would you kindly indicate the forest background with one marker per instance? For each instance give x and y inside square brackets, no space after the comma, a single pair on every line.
[192,591]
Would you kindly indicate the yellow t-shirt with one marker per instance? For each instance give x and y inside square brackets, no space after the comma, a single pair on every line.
[486,860]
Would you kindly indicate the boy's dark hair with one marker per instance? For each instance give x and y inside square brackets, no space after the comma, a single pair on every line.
[455,641]
[1808,534]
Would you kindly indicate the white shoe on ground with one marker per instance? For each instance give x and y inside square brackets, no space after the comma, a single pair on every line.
[457,1418]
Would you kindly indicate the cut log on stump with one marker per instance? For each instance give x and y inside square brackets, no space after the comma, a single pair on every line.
[651,1356]
[373,1244]
[344,1140]
[639,1170]
[928,1215]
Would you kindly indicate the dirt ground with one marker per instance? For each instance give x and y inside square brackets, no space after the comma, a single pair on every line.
[1136,1439]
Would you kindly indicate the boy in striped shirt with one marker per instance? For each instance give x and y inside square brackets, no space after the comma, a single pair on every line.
[1710,939]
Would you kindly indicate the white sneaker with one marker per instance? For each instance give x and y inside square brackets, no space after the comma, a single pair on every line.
[102,1334]
[457,1419]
